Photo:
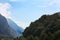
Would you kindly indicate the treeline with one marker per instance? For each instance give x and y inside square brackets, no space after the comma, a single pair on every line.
[45,28]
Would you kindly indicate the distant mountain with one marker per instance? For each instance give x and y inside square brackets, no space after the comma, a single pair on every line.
[13,25]
[5,29]
[45,28]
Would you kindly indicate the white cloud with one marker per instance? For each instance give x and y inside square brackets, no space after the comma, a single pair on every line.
[51,3]
[43,6]
[20,23]
[13,0]
[23,25]
[18,0]
[4,10]
[54,2]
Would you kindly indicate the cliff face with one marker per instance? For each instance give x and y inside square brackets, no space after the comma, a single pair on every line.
[5,30]
[45,28]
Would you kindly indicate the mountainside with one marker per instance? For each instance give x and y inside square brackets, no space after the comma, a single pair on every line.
[5,29]
[45,28]
[13,25]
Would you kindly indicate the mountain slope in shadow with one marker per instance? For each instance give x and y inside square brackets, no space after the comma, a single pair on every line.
[13,25]
[5,29]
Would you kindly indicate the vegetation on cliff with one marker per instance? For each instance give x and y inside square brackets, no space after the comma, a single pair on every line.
[45,28]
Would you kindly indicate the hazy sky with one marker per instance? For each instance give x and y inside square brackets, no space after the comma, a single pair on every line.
[23,12]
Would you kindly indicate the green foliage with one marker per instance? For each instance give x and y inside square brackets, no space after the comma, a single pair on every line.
[6,38]
[45,28]
[22,38]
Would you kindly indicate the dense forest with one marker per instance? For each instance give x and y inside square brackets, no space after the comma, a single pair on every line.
[45,28]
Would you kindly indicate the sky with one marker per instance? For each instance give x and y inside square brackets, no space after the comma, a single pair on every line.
[23,12]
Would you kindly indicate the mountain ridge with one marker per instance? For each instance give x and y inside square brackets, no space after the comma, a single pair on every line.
[13,25]
[5,29]
[47,27]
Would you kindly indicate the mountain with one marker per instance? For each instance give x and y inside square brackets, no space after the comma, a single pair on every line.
[13,25]
[45,28]
[5,29]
